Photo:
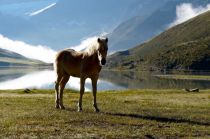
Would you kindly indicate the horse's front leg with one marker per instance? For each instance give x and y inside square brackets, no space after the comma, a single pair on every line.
[94,86]
[82,89]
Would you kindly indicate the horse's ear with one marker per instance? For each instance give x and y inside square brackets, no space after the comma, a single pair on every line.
[99,40]
[106,40]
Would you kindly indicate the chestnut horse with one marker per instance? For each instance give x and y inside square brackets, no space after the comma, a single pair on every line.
[86,64]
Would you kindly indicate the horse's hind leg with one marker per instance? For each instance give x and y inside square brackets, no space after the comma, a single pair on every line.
[62,86]
[57,99]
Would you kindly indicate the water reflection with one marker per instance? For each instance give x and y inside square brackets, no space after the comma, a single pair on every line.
[39,79]
[147,80]
[25,78]
[11,78]
[34,80]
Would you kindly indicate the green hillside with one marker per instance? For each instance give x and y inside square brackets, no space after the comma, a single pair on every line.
[8,58]
[185,46]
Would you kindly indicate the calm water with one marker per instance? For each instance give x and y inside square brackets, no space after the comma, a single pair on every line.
[19,78]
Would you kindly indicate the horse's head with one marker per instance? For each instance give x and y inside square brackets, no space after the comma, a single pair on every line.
[102,50]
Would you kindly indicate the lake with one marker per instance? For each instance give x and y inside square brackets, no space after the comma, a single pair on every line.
[42,78]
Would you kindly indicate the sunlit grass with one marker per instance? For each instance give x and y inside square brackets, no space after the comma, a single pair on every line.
[124,114]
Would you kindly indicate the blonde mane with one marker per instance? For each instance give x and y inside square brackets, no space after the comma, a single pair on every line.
[92,48]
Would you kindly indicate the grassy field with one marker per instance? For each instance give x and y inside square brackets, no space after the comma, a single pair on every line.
[185,77]
[124,114]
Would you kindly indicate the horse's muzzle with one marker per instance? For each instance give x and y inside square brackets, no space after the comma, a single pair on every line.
[103,61]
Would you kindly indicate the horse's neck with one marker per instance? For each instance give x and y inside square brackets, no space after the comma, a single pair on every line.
[94,58]
[92,62]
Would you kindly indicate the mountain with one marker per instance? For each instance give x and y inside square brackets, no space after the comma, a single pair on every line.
[139,29]
[185,46]
[8,58]
[67,22]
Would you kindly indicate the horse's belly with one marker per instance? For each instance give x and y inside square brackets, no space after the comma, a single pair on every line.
[73,69]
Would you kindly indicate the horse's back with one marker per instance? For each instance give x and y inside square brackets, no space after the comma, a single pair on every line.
[68,54]
[68,60]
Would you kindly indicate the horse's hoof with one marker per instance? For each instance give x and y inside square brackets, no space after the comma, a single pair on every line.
[79,110]
[57,106]
[62,107]
[97,110]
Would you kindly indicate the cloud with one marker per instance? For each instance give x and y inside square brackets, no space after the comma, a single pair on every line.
[39,52]
[87,41]
[186,11]
[42,10]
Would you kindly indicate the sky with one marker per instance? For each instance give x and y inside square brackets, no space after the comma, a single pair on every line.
[43,27]
[25,8]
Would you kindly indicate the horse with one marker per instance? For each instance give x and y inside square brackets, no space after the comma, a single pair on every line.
[84,64]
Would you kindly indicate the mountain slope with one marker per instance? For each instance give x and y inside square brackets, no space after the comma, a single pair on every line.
[8,58]
[138,30]
[185,46]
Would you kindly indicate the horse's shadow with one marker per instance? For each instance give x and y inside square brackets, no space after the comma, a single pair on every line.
[152,118]
[159,119]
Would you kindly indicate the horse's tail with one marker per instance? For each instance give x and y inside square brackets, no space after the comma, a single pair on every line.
[55,64]
[58,63]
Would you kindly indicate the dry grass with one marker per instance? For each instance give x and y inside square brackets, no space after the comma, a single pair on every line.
[124,114]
